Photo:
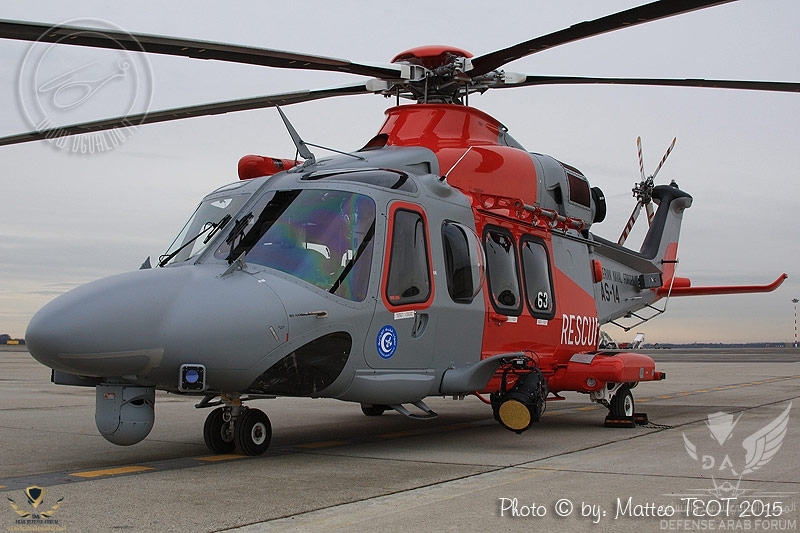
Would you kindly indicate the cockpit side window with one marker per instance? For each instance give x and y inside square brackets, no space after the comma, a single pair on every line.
[409,278]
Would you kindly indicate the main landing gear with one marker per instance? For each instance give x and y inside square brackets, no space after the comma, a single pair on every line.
[235,426]
[622,403]
[618,398]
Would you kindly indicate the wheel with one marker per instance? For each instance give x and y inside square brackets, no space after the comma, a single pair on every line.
[252,432]
[217,433]
[622,403]
[373,410]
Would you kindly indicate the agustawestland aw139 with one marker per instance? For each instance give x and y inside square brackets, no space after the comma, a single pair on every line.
[441,259]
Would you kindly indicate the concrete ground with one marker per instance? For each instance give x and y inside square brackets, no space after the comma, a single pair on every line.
[330,468]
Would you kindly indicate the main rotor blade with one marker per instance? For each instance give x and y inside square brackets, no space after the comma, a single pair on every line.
[780,86]
[179,113]
[139,42]
[624,19]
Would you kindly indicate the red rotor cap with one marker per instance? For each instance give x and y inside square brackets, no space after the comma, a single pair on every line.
[430,56]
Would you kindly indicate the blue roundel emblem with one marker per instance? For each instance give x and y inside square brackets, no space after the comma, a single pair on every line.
[387,341]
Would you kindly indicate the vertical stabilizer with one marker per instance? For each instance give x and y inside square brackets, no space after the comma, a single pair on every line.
[661,242]
[628,281]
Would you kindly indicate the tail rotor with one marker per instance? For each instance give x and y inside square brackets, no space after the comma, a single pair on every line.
[643,191]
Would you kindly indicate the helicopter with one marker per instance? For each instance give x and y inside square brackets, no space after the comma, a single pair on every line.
[441,259]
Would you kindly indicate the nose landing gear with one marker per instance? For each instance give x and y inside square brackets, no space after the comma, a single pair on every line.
[253,432]
[218,431]
[235,426]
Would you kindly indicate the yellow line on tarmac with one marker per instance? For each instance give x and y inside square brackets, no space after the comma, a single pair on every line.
[717,389]
[223,457]
[112,471]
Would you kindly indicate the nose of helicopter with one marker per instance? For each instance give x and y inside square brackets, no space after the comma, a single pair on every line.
[112,316]
[133,324]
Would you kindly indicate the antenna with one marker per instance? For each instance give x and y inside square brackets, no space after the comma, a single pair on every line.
[444,177]
[302,149]
[302,146]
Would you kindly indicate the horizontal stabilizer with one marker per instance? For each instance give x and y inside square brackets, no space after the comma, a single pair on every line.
[682,287]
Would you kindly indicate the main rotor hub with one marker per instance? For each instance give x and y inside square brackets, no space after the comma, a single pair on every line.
[442,77]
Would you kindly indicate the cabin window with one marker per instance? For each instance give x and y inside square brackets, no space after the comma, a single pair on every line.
[538,280]
[501,265]
[463,262]
[409,278]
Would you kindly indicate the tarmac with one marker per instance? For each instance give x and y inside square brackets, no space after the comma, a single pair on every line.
[720,452]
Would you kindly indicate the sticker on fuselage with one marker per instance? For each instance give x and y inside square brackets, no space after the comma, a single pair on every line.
[585,358]
[387,341]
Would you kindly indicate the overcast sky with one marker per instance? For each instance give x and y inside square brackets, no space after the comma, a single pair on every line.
[66,219]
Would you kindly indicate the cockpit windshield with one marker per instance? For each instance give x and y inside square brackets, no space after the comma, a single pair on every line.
[323,237]
[210,217]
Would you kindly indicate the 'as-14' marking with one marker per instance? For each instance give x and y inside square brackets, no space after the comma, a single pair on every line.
[609,289]
[609,292]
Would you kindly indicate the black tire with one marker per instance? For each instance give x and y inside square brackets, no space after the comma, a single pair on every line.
[217,433]
[622,403]
[253,432]
[373,410]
